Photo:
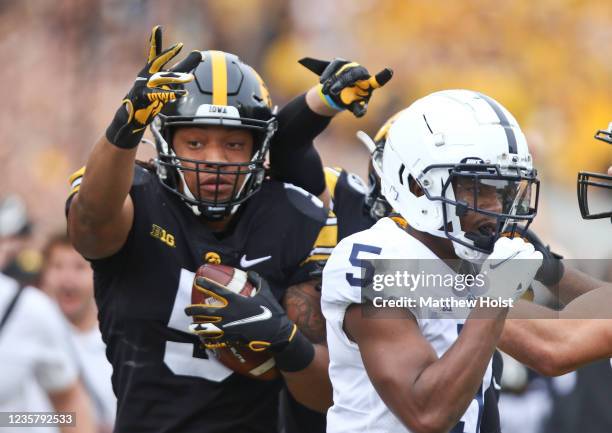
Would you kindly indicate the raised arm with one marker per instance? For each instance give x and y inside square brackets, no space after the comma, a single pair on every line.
[101,211]
[343,85]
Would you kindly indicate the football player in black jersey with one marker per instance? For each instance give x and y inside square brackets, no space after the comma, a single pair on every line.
[146,229]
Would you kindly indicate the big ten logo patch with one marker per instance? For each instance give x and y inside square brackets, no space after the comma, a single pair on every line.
[159,233]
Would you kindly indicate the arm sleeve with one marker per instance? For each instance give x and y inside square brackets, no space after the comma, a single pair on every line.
[293,157]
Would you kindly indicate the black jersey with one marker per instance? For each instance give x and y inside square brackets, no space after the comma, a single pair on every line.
[163,379]
[348,193]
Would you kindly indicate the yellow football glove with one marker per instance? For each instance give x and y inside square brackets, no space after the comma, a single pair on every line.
[345,84]
[151,90]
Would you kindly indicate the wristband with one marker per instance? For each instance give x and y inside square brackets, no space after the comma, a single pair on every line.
[296,355]
[327,100]
[551,273]
[119,132]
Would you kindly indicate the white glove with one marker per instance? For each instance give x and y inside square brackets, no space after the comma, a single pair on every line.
[510,269]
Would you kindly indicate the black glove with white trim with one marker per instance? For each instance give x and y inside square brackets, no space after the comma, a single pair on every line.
[258,322]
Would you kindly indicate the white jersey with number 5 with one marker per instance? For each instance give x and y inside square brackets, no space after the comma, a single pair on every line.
[357,405]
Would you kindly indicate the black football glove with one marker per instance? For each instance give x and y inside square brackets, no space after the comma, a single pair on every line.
[151,90]
[258,322]
[552,269]
[345,84]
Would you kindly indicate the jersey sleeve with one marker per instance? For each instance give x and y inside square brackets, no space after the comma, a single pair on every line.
[341,280]
[55,368]
[313,235]
[139,193]
[332,175]
[74,180]
[293,157]
[346,271]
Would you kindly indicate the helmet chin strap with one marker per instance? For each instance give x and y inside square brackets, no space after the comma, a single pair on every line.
[196,209]
[467,253]
[462,251]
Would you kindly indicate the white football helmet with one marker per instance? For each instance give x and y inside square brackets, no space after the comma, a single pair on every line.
[459,135]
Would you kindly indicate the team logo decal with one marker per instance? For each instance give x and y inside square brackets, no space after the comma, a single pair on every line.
[212,258]
[159,233]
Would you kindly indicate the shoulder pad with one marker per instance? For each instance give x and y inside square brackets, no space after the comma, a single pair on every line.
[305,202]
[356,183]
[142,175]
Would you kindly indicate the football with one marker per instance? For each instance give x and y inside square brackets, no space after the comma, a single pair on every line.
[241,359]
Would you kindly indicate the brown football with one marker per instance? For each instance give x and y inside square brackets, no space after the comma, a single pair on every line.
[242,360]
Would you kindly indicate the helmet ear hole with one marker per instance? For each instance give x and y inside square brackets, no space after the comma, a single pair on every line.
[414,186]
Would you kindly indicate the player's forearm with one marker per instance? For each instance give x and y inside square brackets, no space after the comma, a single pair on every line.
[576,283]
[530,335]
[530,342]
[316,104]
[311,386]
[106,184]
[444,389]
[554,343]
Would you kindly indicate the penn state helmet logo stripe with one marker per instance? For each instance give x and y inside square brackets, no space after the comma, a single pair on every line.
[503,121]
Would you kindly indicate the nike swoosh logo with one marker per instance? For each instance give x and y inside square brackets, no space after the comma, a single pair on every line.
[265,315]
[244,263]
[497,265]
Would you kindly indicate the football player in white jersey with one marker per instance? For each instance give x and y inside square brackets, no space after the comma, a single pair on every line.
[457,167]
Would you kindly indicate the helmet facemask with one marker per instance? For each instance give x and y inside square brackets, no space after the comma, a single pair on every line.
[497,200]
[225,93]
[246,177]
[375,202]
[601,184]
[596,184]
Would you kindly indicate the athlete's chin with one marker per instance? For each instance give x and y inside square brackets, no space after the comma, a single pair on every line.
[216,192]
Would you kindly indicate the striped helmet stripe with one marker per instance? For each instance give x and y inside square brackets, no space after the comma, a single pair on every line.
[219,78]
[503,121]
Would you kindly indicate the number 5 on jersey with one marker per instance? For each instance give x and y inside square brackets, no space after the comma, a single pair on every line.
[366,268]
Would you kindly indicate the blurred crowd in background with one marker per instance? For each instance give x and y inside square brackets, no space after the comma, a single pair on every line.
[68,63]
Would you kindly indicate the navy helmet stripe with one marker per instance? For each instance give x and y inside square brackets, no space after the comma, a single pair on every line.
[503,121]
